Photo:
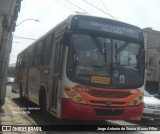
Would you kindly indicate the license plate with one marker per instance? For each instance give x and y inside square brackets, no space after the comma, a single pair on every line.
[156,112]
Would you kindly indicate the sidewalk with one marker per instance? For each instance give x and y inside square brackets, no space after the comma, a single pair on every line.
[6,115]
[10,116]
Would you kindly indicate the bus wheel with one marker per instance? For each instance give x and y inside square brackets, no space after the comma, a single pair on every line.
[20,91]
[42,100]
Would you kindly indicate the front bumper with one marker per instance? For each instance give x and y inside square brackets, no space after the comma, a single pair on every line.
[74,111]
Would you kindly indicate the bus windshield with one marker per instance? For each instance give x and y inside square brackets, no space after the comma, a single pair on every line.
[106,61]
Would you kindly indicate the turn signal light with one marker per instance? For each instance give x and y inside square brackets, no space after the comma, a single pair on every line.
[136,101]
[74,96]
[73,93]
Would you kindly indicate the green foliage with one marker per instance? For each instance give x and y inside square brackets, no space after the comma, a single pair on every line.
[11,72]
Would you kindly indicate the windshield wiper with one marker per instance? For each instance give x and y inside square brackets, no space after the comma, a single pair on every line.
[98,44]
[121,47]
[101,48]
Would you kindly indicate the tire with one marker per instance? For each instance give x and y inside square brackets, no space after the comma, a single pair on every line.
[12,90]
[42,101]
[1,104]
[20,92]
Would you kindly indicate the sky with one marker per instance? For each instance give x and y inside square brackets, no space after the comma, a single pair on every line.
[142,13]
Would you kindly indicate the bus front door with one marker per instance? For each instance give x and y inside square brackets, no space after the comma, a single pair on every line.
[56,71]
[26,75]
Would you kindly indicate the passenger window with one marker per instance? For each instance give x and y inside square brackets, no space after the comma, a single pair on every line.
[21,62]
[38,53]
[17,64]
[47,52]
[33,55]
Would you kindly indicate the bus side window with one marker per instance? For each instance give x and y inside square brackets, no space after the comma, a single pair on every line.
[21,62]
[17,64]
[47,53]
[33,55]
[24,60]
[38,53]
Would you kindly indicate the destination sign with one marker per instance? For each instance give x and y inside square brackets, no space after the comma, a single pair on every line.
[108,27]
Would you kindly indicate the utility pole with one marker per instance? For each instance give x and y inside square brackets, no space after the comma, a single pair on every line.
[8,16]
[5,48]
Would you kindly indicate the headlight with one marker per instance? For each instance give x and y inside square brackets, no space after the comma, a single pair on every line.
[74,96]
[136,101]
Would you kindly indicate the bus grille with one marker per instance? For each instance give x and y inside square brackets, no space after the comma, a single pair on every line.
[103,112]
[104,102]
[109,94]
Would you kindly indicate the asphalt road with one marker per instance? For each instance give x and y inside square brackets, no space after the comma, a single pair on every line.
[22,116]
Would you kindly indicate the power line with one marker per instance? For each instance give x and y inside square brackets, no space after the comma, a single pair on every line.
[99,9]
[77,7]
[105,7]
[66,6]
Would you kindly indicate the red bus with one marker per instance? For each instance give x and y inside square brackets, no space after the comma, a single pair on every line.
[85,68]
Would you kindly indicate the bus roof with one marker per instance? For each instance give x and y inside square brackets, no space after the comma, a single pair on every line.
[70,17]
[89,22]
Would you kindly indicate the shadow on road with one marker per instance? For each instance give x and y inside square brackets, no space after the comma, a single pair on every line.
[64,125]
[48,119]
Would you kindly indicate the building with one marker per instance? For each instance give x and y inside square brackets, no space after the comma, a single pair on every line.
[152,45]
[8,15]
